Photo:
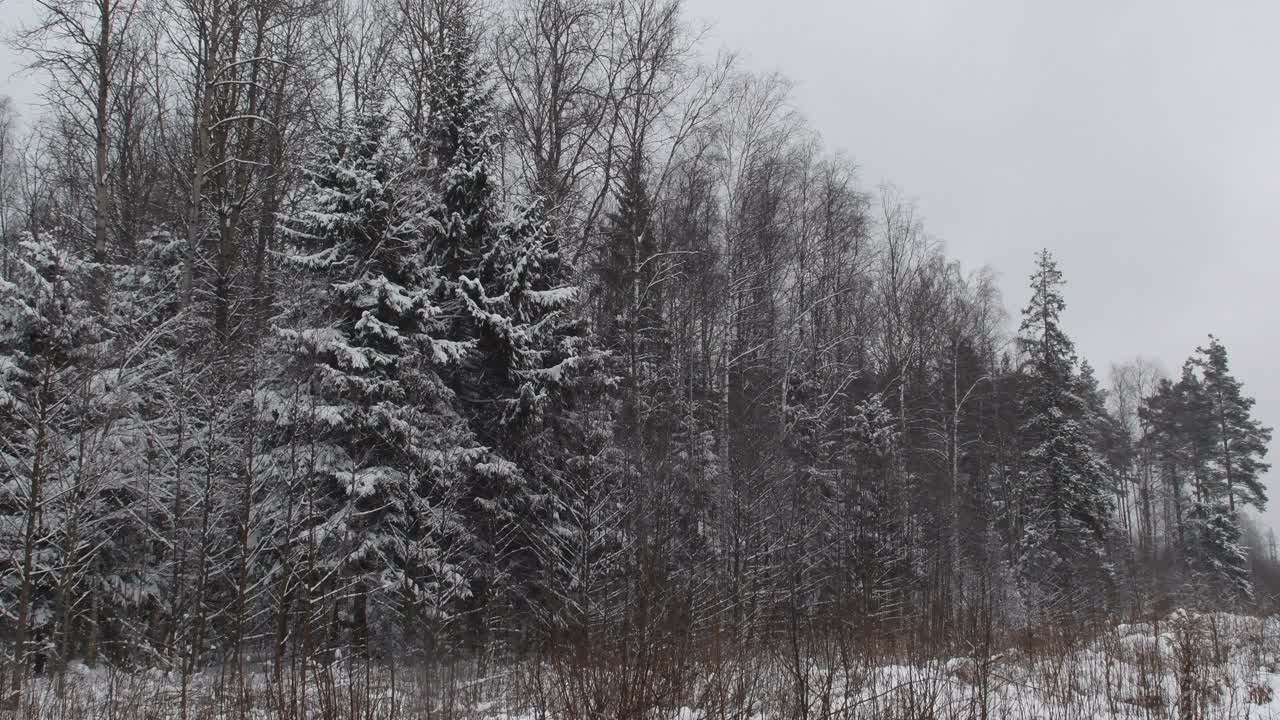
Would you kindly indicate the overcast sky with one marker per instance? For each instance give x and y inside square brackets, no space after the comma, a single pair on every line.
[1137,139]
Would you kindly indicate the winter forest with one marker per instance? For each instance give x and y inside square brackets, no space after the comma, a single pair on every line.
[440,335]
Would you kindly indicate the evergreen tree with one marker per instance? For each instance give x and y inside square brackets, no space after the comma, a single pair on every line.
[529,387]
[1066,510]
[1207,440]
[874,557]
[50,427]
[1240,441]
[1216,565]
[365,430]
[630,300]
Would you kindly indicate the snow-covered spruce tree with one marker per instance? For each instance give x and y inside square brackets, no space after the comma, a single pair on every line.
[870,555]
[369,454]
[1215,563]
[49,342]
[1066,509]
[530,386]
[534,386]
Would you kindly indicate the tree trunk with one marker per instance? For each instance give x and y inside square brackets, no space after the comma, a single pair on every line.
[22,630]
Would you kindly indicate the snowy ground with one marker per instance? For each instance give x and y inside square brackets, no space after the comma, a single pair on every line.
[1186,666]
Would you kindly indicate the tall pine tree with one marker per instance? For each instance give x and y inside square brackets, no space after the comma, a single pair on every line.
[1204,426]
[1240,441]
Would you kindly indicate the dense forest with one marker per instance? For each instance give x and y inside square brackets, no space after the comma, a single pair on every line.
[426,328]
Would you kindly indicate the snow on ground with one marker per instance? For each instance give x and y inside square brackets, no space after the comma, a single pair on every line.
[1186,666]
[1210,666]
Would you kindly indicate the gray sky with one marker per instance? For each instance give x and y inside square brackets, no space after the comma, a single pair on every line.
[16,82]
[1136,139]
